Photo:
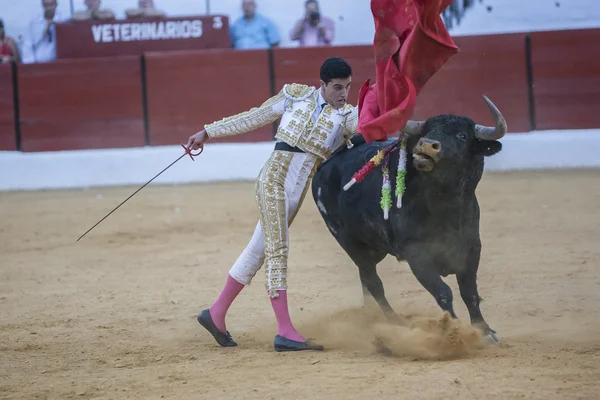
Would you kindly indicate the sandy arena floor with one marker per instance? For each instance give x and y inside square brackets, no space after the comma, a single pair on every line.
[113,316]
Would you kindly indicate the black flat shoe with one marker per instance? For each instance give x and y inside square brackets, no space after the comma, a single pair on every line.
[223,339]
[283,344]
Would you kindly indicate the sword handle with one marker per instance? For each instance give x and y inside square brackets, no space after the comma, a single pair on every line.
[189,152]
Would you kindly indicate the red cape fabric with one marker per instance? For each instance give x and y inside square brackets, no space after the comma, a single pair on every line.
[411,44]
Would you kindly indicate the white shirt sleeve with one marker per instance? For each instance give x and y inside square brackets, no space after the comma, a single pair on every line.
[39,47]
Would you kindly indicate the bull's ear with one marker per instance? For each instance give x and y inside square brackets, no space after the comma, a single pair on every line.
[487,148]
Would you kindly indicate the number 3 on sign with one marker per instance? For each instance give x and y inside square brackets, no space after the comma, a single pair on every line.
[217,23]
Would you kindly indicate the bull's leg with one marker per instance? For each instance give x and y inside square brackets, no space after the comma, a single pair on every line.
[370,280]
[421,263]
[467,283]
[366,259]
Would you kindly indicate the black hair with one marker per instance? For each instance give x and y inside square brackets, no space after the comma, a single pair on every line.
[335,68]
[311,1]
[1,23]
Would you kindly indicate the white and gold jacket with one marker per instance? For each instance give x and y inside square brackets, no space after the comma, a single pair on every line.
[296,105]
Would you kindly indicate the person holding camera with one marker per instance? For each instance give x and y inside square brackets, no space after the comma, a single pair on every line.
[314,29]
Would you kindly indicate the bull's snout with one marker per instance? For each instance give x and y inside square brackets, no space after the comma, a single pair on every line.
[426,154]
[429,148]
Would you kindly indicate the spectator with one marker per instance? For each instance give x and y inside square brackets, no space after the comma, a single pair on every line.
[253,30]
[9,51]
[40,38]
[145,9]
[93,12]
[314,29]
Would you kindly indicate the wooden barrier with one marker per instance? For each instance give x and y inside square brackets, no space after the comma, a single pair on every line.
[302,65]
[81,104]
[187,90]
[7,109]
[492,65]
[99,103]
[566,81]
[134,37]
[457,88]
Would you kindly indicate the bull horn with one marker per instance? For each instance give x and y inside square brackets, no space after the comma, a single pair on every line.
[488,132]
[413,127]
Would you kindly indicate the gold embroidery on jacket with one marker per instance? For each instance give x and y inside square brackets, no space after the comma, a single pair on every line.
[246,121]
[270,197]
[298,91]
[297,127]
[351,123]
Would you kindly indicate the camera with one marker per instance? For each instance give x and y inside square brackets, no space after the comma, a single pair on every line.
[314,16]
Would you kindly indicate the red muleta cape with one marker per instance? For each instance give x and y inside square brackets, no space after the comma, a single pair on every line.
[411,44]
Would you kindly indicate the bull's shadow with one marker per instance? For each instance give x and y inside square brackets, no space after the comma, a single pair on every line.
[436,230]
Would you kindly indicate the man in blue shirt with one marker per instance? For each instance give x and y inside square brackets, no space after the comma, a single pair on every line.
[253,31]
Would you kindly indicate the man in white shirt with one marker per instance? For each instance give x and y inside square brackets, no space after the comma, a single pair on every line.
[40,43]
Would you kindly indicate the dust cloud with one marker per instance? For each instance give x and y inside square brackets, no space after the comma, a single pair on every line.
[422,337]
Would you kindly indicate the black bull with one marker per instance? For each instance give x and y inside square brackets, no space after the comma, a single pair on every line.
[436,230]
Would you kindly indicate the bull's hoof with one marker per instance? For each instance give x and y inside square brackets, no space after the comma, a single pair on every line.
[490,336]
[381,347]
[395,319]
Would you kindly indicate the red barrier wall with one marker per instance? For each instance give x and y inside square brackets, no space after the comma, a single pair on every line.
[457,88]
[7,109]
[98,103]
[81,104]
[566,68]
[187,90]
[302,65]
[492,65]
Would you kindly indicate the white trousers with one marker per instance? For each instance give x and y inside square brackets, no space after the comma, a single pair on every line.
[281,187]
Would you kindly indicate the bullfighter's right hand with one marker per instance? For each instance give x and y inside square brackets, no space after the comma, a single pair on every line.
[197,140]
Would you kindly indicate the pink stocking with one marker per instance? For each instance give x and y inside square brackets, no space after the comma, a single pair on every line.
[218,310]
[284,322]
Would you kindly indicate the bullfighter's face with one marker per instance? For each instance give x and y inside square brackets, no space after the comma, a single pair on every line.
[336,91]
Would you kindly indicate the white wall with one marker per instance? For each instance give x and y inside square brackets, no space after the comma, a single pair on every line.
[529,15]
[353,17]
[242,161]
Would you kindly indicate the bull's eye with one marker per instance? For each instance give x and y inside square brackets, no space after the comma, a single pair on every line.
[462,136]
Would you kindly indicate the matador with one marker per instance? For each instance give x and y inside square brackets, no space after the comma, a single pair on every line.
[314,123]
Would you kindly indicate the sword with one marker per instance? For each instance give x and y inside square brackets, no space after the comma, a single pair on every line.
[187,152]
